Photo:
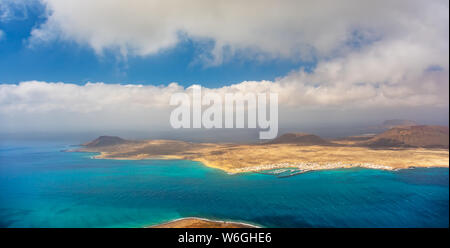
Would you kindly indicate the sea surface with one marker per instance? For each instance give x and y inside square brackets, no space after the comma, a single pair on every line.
[42,186]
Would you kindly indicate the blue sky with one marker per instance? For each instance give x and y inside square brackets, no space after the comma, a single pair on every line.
[70,62]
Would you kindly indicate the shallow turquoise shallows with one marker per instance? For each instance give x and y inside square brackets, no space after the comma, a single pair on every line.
[40,186]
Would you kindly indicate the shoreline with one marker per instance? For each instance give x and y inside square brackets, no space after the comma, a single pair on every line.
[302,166]
[207,223]
[240,158]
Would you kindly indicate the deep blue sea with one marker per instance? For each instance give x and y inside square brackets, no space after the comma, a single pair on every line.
[41,186]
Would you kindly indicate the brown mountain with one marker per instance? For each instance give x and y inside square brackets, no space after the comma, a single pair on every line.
[412,136]
[105,141]
[299,139]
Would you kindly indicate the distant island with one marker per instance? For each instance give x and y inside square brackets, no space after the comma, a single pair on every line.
[400,147]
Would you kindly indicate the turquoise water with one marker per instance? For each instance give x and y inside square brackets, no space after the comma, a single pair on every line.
[40,186]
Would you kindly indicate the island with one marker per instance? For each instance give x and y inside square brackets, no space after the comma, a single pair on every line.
[400,147]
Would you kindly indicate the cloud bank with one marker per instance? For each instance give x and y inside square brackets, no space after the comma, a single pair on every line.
[49,107]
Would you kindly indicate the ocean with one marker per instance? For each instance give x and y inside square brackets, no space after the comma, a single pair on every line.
[42,186]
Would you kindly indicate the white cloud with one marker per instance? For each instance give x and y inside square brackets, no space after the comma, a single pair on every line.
[387,73]
[2,34]
[288,29]
[42,106]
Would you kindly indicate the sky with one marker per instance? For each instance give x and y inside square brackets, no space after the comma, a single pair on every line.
[110,66]
[68,61]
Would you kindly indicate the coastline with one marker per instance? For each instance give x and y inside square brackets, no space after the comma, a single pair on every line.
[197,222]
[302,166]
[241,158]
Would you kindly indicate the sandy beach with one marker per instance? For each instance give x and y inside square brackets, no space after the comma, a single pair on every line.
[194,222]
